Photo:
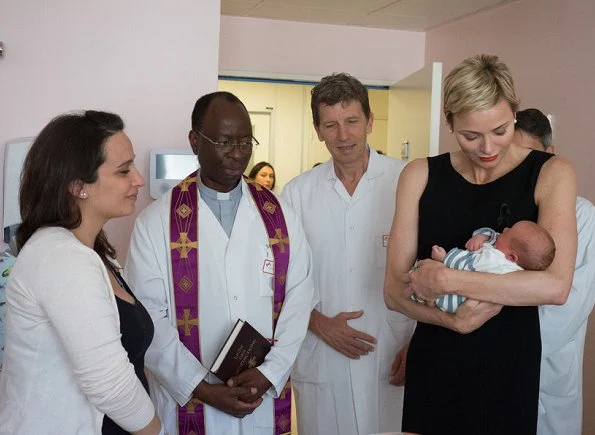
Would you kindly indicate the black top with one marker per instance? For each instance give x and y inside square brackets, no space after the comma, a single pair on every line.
[485,382]
[137,330]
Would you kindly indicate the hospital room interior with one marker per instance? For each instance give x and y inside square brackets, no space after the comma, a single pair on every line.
[149,62]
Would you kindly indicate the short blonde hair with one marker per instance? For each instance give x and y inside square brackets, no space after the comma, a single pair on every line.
[478,83]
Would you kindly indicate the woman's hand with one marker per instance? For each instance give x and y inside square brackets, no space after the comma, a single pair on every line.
[473,314]
[425,280]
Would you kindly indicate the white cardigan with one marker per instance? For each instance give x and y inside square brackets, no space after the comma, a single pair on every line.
[64,362]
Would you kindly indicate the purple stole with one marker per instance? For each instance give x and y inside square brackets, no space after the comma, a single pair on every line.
[185,274]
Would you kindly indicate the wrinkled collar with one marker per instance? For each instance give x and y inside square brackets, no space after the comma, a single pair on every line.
[374,167]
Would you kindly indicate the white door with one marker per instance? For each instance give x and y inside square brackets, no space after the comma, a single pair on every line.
[261,130]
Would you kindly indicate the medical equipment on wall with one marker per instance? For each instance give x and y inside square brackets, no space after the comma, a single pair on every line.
[168,167]
[405,151]
[14,157]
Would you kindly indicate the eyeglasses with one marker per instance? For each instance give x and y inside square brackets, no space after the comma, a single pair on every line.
[225,146]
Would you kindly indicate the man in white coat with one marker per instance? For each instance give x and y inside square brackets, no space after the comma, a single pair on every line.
[343,372]
[215,218]
[563,328]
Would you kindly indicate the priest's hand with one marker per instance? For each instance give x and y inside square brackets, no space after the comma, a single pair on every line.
[397,371]
[227,399]
[336,332]
[254,379]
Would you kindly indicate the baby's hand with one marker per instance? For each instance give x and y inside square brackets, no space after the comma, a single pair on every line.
[438,253]
[476,242]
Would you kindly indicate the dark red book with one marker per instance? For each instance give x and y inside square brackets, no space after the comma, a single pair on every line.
[245,348]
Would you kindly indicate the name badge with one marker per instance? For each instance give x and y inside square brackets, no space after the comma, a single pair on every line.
[269,266]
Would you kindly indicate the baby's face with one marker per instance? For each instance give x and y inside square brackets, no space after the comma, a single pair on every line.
[517,231]
[504,242]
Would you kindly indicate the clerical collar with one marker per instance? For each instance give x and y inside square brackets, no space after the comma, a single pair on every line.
[232,195]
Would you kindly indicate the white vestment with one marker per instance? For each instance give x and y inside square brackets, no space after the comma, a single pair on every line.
[234,283]
[348,236]
[563,330]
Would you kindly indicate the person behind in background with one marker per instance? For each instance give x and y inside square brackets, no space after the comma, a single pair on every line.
[215,249]
[490,348]
[65,365]
[264,174]
[563,328]
[7,260]
[524,246]
[344,370]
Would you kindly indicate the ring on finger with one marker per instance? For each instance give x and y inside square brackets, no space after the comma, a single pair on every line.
[417,298]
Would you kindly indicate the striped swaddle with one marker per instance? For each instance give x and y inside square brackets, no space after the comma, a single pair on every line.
[456,259]
[461,259]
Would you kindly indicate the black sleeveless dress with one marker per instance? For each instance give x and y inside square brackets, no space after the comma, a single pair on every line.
[137,331]
[485,382]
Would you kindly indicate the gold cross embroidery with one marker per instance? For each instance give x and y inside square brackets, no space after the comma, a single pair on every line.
[269,207]
[194,402]
[282,278]
[186,183]
[184,211]
[183,245]
[283,422]
[280,240]
[187,322]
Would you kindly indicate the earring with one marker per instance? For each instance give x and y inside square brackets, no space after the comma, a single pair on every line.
[450,129]
[515,120]
[83,194]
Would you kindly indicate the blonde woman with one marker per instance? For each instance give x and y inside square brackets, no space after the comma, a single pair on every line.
[477,371]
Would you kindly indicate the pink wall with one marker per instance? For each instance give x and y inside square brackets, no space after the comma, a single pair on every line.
[548,45]
[147,61]
[310,51]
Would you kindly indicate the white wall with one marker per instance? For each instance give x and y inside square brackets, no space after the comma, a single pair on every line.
[410,111]
[147,61]
[284,49]
[548,46]
[150,61]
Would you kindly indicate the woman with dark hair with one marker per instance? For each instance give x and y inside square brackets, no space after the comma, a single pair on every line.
[264,174]
[73,325]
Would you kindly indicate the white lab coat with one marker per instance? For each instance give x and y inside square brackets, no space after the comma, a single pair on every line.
[563,330]
[233,284]
[348,236]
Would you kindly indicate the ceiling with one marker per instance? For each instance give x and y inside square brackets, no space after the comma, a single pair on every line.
[415,15]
